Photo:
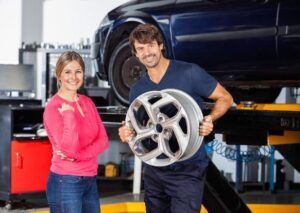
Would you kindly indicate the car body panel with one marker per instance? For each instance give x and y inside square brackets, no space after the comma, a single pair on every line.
[249,43]
[132,12]
[289,32]
[229,35]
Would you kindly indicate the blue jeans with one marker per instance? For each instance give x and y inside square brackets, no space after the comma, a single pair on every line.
[72,194]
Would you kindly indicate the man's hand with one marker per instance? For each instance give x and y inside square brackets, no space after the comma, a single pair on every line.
[63,156]
[206,126]
[125,132]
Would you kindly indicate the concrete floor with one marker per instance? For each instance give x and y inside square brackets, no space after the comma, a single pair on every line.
[255,197]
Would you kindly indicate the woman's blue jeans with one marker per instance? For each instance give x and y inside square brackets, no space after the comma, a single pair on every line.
[72,194]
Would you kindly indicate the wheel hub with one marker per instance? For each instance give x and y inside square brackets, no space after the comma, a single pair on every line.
[132,70]
[159,128]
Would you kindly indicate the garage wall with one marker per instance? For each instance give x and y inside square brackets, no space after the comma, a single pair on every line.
[32,21]
[70,21]
[10,25]
[52,21]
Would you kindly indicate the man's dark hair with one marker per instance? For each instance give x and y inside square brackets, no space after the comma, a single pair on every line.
[144,33]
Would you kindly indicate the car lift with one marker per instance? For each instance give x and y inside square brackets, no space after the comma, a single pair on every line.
[250,124]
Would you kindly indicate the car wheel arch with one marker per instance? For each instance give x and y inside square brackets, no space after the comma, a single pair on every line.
[120,30]
[118,36]
[118,33]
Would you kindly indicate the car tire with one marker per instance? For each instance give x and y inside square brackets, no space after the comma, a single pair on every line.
[124,70]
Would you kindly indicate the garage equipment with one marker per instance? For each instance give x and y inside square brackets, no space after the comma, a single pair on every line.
[43,60]
[17,81]
[111,170]
[265,124]
[24,156]
[163,120]
[241,125]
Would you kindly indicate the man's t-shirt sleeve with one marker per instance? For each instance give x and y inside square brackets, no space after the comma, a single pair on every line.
[203,84]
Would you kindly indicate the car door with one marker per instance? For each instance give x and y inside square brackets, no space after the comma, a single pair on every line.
[225,34]
[289,33]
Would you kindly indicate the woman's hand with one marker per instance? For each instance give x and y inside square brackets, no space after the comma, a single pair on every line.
[65,107]
[63,156]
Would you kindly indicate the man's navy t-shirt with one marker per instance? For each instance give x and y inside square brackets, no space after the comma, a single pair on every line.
[187,77]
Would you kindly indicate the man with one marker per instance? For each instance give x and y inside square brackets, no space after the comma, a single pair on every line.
[178,187]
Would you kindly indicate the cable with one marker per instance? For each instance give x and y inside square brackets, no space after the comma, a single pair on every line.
[246,156]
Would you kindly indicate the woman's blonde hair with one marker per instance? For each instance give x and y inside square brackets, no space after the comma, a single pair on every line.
[64,59]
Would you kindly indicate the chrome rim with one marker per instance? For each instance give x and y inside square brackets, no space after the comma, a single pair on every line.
[166,124]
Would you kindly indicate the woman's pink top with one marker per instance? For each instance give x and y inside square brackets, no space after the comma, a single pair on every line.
[80,137]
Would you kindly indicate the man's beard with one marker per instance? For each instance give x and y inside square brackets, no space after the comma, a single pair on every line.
[156,61]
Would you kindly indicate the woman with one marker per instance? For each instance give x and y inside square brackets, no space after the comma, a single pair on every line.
[78,136]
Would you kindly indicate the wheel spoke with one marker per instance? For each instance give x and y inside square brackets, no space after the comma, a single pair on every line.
[165,148]
[151,155]
[145,133]
[163,101]
[182,138]
[173,120]
[144,101]
[133,121]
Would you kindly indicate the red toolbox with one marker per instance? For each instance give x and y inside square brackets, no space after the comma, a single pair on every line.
[30,163]
[25,157]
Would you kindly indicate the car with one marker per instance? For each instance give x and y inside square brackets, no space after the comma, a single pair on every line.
[252,46]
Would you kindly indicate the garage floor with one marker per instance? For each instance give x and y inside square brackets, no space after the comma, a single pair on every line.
[258,197]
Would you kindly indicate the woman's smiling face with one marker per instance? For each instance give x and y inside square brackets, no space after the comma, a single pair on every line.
[71,77]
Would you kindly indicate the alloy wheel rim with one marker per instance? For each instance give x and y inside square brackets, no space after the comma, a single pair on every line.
[163,120]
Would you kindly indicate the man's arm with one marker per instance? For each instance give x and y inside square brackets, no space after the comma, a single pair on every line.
[223,101]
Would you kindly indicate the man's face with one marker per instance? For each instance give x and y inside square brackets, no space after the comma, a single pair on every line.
[149,54]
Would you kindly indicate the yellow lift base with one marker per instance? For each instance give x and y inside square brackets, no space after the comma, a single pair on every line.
[139,207]
[289,137]
[269,107]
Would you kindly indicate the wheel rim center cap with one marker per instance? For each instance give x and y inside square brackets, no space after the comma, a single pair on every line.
[159,128]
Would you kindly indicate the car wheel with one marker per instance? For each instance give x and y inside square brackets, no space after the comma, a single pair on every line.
[266,95]
[124,70]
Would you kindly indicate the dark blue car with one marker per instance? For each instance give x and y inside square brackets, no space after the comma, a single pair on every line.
[251,46]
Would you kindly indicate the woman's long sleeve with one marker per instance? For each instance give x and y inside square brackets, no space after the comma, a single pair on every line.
[99,145]
[62,130]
